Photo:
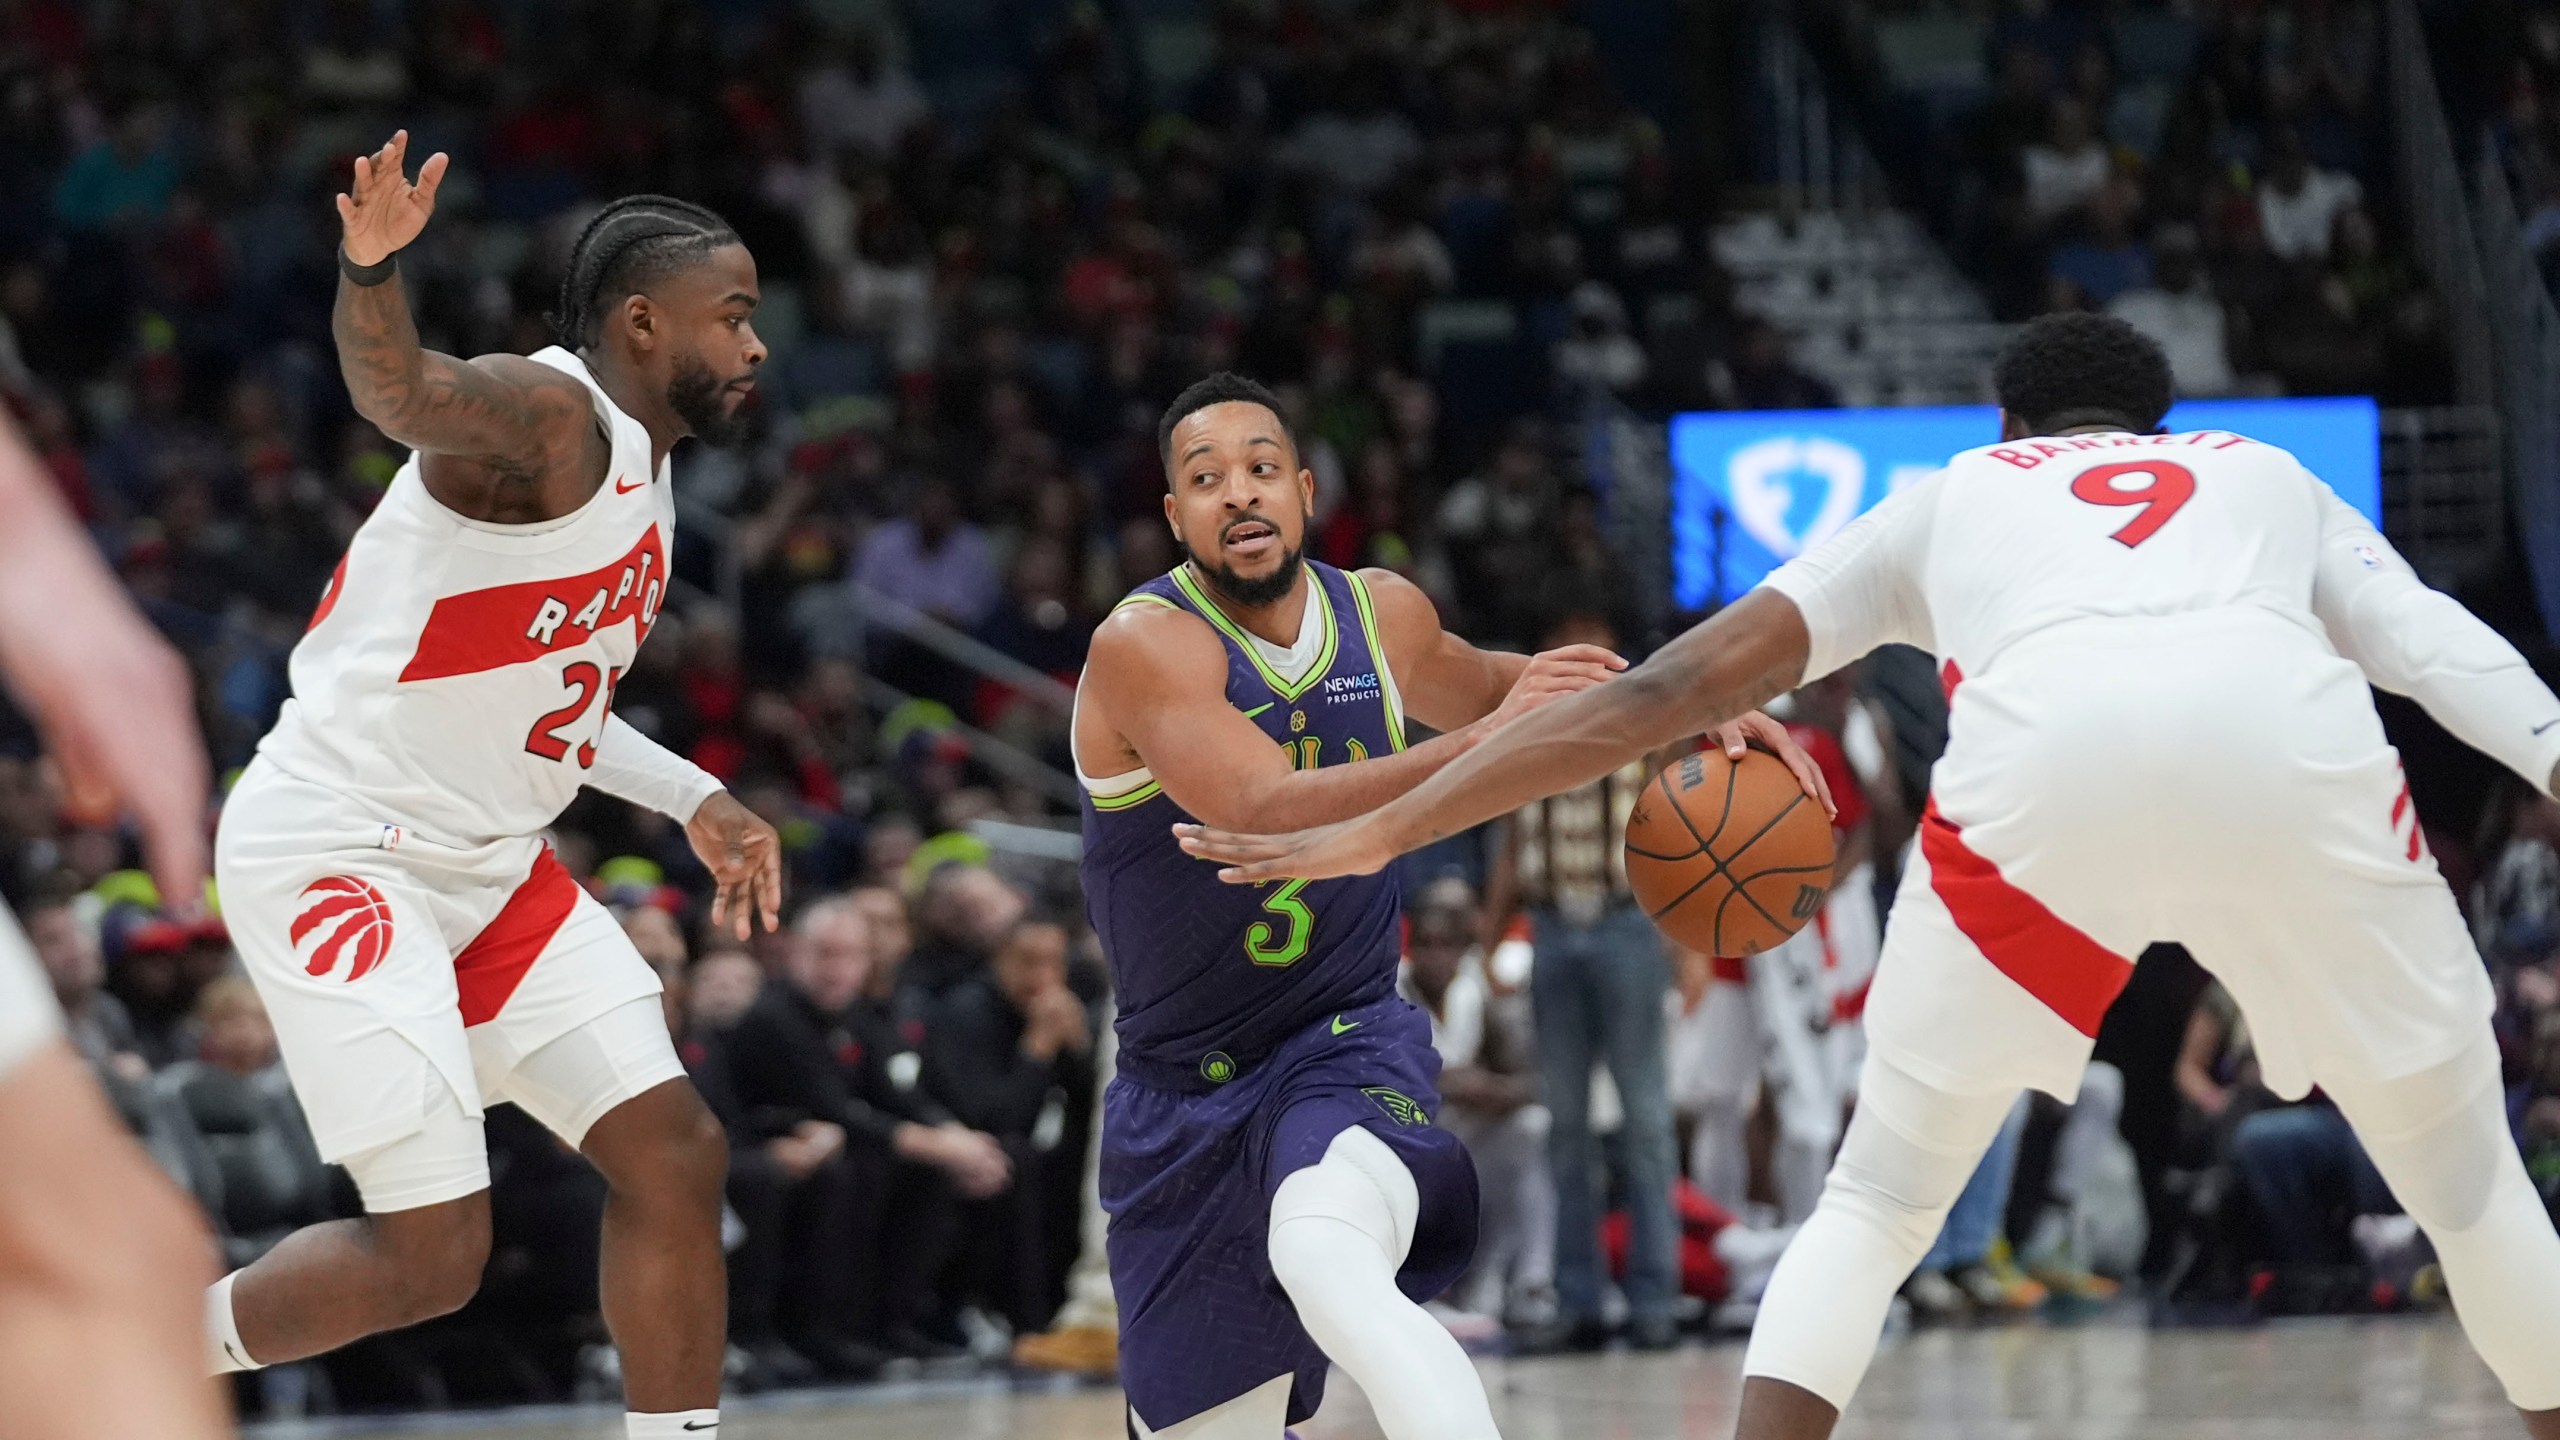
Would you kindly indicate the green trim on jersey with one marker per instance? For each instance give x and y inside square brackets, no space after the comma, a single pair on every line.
[1387,695]
[1129,801]
[1210,612]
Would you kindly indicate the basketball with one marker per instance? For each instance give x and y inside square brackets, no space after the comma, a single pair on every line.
[1729,857]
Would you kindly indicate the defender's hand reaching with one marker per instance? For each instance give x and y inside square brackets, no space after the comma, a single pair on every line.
[382,211]
[1349,847]
[1553,674]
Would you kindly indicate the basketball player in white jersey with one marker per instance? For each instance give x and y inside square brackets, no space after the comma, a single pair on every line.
[2157,648]
[422,953]
[101,1259]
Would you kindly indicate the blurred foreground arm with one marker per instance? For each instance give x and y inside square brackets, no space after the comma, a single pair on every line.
[102,1271]
[115,703]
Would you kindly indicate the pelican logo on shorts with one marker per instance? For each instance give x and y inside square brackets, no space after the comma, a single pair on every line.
[1398,1105]
[1218,1067]
[353,923]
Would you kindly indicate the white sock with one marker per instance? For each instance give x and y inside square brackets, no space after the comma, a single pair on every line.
[224,1354]
[673,1425]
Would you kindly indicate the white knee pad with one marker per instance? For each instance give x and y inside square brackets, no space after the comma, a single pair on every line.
[1359,1182]
[1909,1151]
[2440,1138]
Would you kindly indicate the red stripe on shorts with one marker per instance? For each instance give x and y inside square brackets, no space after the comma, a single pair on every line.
[2076,977]
[491,967]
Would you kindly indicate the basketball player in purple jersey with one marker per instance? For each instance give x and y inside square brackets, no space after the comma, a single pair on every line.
[1277,1189]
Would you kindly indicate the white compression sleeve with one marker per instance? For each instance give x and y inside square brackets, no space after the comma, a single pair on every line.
[1910,1149]
[2418,642]
[2440,1137]
[1339,1232]
[631,766]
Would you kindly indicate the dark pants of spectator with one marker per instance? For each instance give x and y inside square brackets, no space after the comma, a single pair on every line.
[906,1227]
[2310,1177]
[795,1275]
[1597,993]
[1003,1263]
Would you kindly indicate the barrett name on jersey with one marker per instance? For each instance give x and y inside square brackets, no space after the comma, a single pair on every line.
[457,675]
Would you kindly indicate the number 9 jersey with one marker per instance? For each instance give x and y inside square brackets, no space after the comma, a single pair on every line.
[2156,650]
[457,675]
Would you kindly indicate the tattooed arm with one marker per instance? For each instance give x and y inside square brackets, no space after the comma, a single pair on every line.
[505,438]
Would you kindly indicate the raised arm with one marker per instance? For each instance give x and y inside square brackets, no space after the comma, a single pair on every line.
[512,422]
[2421,643]
[1156,683]
[1748,654]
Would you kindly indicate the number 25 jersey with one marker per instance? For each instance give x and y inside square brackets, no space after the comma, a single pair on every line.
[456,675]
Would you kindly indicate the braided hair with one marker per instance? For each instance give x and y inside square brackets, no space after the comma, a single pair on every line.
[629,245]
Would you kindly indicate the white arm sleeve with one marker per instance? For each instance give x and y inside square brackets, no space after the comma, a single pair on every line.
[2418,642]
[1861,588]
[27,1015]
[631,766]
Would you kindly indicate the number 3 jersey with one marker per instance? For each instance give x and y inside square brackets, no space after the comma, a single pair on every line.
[456,675]
[1211,978]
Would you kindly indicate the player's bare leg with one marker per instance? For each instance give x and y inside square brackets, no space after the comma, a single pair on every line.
[1776,1410]
[665,1282]
[100,1266]
[333,1284]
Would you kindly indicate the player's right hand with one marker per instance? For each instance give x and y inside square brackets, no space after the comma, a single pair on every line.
[382,212]
[1552,674]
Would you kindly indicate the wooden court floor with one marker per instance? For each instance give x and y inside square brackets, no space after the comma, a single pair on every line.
[2303,1380]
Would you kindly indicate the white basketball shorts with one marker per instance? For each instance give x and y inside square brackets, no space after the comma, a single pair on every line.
[2219,780]
[409,979]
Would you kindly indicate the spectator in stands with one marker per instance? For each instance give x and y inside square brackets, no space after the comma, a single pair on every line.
[2066,169]
[1597,990]
[1763,376]
[100,1029]
[2310,1177]
[854,96]
[237,1098]
[1011,1054]
[810,1049]
[962,912]
[2299,202]
[2105,261]
[2177,308]
[1489,1100]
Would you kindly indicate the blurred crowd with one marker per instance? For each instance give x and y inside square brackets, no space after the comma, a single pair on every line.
[2217,175]
[993,242]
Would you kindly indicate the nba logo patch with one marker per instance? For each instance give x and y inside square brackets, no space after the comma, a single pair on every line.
[349,922]
[2368,557]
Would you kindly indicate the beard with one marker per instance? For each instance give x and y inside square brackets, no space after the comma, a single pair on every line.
[699,399]
[1250,592]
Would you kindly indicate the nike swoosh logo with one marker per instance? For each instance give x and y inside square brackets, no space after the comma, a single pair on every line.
[702,1425]
[1258,709]
[2545,725]
[1341,1029]
[620,488]
[233,1351]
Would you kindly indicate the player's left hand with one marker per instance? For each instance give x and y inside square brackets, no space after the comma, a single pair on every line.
[744,857]
[1348,847]
[1737,735]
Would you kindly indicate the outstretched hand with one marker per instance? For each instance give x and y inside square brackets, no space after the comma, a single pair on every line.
[382,211]
[1348,847]
[744,856]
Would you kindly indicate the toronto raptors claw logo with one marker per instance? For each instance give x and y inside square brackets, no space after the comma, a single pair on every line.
[351,918]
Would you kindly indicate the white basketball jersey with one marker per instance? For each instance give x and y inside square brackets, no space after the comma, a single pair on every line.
[456,674]
[2014,538]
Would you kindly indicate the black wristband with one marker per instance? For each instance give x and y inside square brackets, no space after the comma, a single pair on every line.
[373,274]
